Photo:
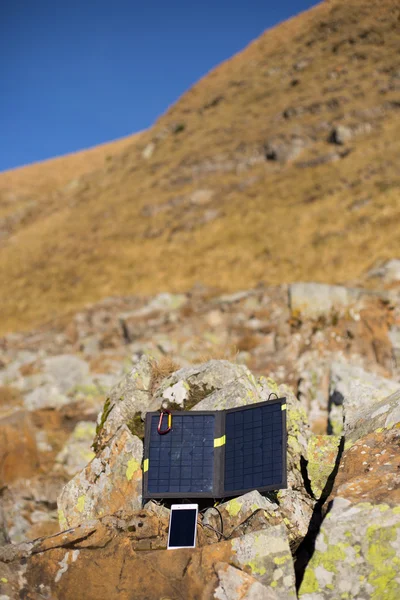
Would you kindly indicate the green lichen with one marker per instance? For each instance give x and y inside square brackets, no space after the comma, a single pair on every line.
[233,507]
[382,557]
[131,468]
[80,505]
[309,584]
[256,569]
[62,520]
[90,389]
[273,386]
[329,559]
[281,560]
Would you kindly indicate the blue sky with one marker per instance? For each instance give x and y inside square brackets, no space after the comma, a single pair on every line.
[77,73]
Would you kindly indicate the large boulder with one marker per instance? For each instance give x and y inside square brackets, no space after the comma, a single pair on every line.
[315,300]
[110,482]
[77,451]
[125,404]
[214,385]
[352,389]
[107,556]
[356,554]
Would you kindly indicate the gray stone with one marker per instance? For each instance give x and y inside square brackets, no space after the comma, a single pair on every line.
[77,451]
[358,391]
[389,271]
[46,396]
[284,150]
[244,514]
[214,385]
[111,482]
[129,398]
[341,134]
[234,584]
[356,554]
[314,300]
[265,554]
[67,371]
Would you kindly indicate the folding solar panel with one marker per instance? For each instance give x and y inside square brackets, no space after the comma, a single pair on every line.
[216,454]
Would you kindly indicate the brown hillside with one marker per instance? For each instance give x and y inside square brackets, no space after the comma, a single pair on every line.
[240,181]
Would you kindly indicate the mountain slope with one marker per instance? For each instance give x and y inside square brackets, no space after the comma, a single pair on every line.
[279,165]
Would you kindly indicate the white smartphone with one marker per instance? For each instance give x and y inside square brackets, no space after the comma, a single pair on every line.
[182,526]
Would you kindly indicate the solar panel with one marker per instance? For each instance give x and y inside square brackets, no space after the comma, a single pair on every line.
[254,448]
[216,454]
[182,460]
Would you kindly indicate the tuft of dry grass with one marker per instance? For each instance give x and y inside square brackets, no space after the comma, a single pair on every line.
[160,369]
[326,215]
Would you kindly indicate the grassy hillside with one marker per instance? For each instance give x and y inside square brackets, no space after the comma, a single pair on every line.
[240,181]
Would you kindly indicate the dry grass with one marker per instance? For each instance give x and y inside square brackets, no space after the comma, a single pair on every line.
[272,222]
[10,396]
[160,369]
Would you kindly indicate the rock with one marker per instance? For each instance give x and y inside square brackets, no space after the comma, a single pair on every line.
[234,584]
[358,391]
[149,150]
[18,451]
[126,402]
[67,371]
[394,336]
[214,385]
[112,481]
[356,554]
[388,272]
[370,462]
[369,469]
[46,396]
[322,455]
[341,134]
[284,150]
[248,513]
[29,507]
[201,197]
[104,555]
[77,451]
[313,389]
[265,554]
[314,300]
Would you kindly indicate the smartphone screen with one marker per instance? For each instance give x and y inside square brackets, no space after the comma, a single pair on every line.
[182,528]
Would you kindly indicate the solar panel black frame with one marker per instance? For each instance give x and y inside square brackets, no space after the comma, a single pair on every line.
[277,484]
[218,488]
[218,432]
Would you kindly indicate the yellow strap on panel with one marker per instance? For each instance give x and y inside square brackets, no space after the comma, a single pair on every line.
[145,465]
[283,407]
[219,441]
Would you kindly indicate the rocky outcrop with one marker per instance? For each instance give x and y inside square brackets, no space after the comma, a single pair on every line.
[111,481]
[356,554]
[105,553]
[356,550]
